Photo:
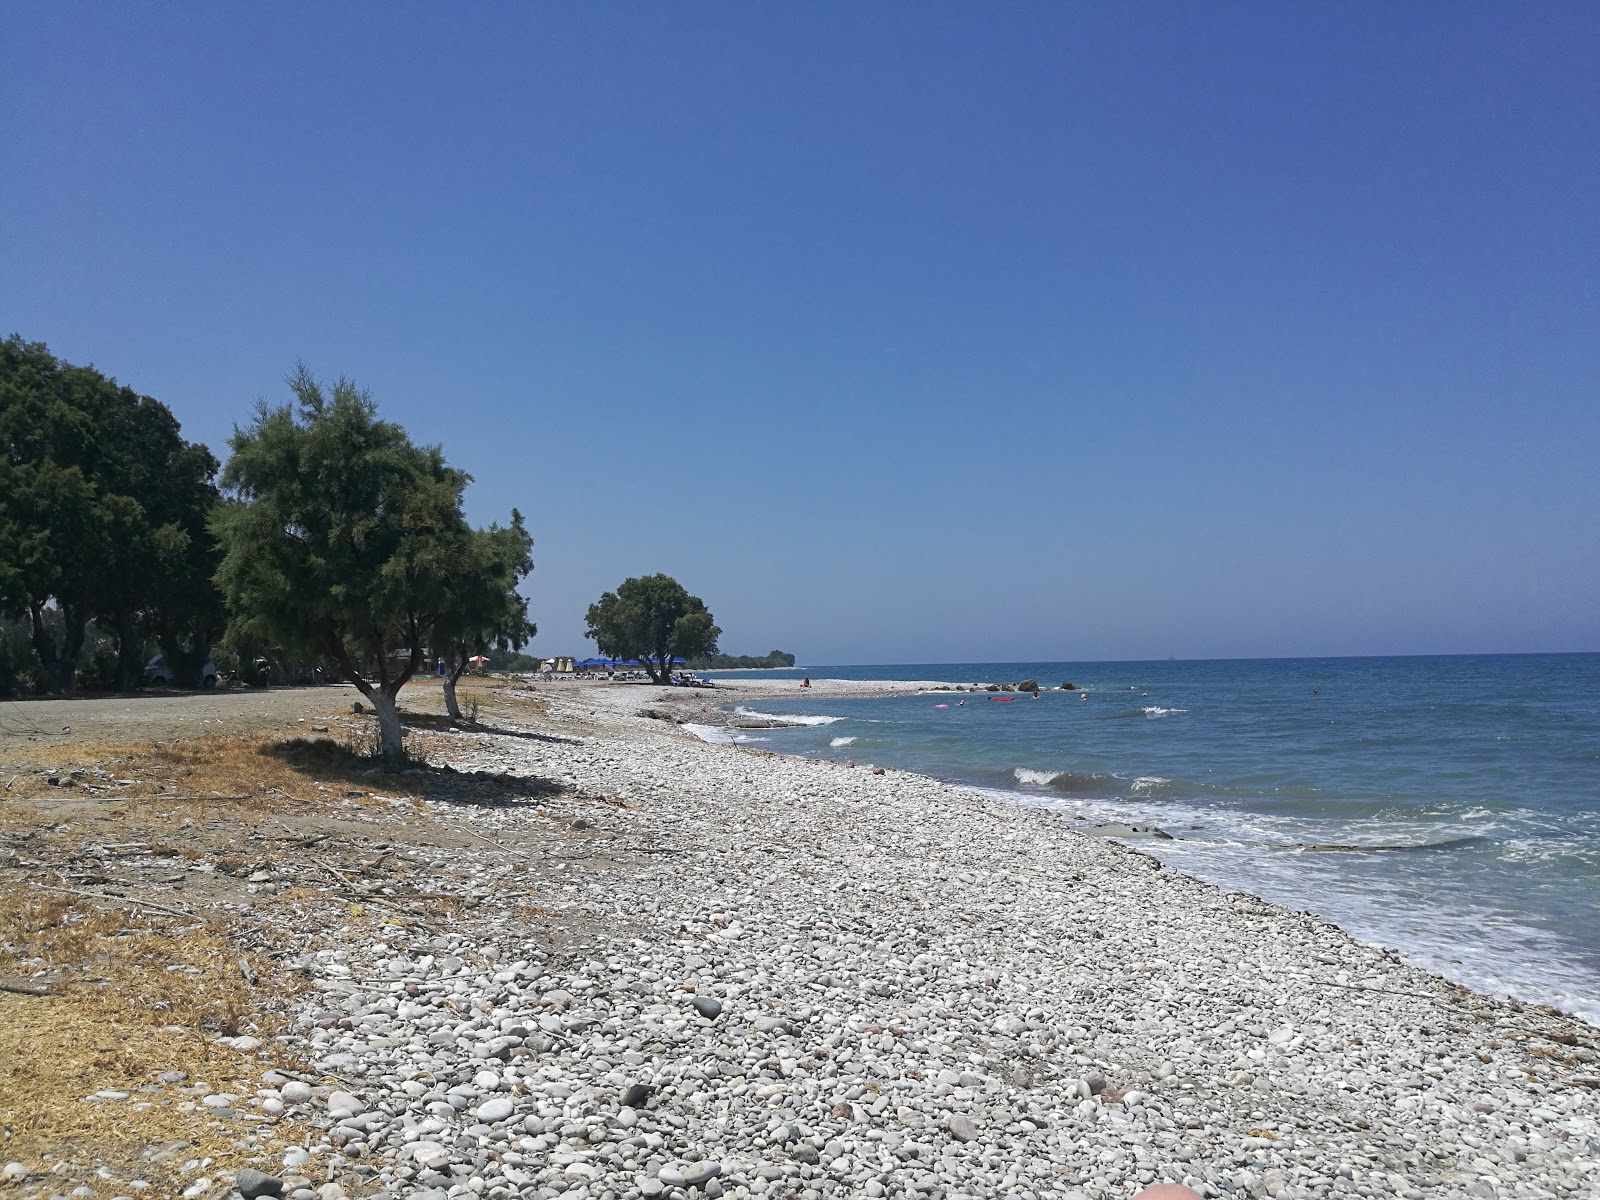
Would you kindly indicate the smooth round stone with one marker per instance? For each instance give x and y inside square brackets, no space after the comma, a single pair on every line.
[345,1102]
[295,1092]
[497,1109]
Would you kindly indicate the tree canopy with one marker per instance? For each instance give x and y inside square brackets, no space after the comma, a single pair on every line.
[487,612]
[103,514]
[654,620]
[343,538]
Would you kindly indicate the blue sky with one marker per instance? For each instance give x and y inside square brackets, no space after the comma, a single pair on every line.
[898,332]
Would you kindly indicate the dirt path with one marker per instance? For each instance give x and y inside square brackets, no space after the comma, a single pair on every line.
[160,715]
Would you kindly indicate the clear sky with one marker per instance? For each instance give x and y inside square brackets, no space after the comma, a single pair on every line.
[898,332]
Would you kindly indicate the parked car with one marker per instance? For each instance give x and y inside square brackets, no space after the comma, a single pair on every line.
[157,671]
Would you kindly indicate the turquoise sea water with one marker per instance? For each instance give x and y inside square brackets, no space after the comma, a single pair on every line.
[1474,781]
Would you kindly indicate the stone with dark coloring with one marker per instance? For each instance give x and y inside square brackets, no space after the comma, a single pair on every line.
[636,1095]
[253,1183]
[708,1007]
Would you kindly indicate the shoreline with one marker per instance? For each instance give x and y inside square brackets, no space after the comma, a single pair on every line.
[1103,818]
[799,979]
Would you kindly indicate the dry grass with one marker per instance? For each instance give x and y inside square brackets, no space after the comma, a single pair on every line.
[130,999]
[132,992]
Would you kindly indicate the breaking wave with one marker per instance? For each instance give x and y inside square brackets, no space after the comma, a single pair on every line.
[720,736]
[842,741]
[787,718]
[1064,781]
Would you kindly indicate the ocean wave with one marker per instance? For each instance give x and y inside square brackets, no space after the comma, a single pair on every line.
[842,741]
[1064,781]
[1147,785]
[788,718]
[721,736]
[1036,778]
[1155,710]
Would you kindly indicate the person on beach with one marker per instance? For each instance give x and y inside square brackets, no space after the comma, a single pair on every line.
[806,682]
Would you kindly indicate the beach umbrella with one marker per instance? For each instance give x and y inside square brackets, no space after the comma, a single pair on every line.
[477,658]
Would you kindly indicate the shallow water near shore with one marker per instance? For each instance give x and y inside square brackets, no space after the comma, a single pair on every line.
[1448,807]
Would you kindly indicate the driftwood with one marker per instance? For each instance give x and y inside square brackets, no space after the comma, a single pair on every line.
[176,912]
[26,989]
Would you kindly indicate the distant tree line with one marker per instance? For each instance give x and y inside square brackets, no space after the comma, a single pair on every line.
[105,548]
[775,661]
[329,544]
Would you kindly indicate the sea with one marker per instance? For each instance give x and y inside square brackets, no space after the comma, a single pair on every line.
[1446,807]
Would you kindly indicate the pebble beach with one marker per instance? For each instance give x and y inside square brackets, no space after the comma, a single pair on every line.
[802,979]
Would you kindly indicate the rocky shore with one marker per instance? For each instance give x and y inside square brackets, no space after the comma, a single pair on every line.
[789,978]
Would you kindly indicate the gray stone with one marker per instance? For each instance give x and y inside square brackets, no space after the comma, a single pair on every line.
[961,1128]
[708,1007]
[701,1172]
[497,1109]
[253,1183]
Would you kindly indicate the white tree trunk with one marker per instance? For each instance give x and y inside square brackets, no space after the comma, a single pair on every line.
[391,736]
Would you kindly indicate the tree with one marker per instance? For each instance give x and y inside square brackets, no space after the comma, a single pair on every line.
[486,611]
[342,538]
[101,502]
[654,620]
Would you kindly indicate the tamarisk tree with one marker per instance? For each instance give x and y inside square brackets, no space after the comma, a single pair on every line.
[341,537]
[654,620]
[486,612]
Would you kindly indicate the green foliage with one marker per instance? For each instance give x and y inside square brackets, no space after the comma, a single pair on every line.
[103,511]
[777,660]
[511,661]
[652,619]
[486,612]
[341,538]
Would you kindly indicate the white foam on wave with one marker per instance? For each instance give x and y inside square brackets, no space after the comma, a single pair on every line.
[1036,778]
[842,741]
[1154,710]
[787,718]
[1146,783]
[718,735]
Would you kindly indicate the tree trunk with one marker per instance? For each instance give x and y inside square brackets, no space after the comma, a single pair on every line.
[130,653]
[59,663]
[450,705]
[391,735]
[44,647]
